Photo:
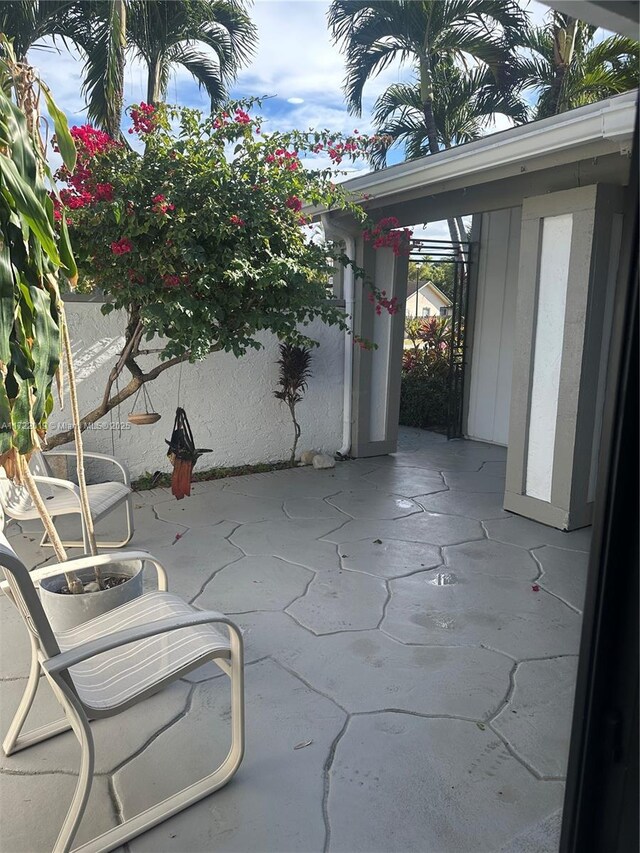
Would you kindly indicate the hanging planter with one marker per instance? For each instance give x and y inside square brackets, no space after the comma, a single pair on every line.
[183,455]
[140,418]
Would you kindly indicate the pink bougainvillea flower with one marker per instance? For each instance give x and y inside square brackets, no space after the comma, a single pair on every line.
[236,220]
[161,205]
[171,280]
[294,203]
[104,192]
[121,246]
[241,117]
[143,118]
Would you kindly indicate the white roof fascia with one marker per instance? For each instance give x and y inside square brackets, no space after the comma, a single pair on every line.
[611,120]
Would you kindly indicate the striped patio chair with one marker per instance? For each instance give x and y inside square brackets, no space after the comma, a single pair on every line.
[63,497]
[106,665]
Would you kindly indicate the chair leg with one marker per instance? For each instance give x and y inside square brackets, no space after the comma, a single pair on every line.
[15,741]
[26,702]
[192,794]
[80,725]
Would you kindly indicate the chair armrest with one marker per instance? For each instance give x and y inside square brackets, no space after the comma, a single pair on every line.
[61,484]
[104,457]
[52,569]
[80,653]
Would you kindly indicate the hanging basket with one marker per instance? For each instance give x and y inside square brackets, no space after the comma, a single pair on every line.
[146,417]
[183,455]
[142,418]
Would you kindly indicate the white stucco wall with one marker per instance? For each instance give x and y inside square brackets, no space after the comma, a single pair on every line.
[229,401]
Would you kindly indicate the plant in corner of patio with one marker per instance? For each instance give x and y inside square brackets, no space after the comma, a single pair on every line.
[33,260]
[295,371]
[196,234]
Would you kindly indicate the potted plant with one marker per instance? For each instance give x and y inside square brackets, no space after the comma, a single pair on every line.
[34,337]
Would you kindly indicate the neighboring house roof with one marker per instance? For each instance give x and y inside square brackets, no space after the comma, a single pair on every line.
[605,127]
[429,285]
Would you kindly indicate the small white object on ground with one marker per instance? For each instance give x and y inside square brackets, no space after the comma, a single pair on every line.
[93,586]
[321,460]
[306,457]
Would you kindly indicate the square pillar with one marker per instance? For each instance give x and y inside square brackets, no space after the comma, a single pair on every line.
[377,373]
[568,262]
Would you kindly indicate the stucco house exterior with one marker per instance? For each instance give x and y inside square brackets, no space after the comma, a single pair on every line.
[428,301]
[547,201]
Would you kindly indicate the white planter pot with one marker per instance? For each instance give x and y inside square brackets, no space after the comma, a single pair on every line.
[67,611]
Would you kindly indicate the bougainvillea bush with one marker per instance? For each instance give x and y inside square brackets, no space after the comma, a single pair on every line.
[196,230]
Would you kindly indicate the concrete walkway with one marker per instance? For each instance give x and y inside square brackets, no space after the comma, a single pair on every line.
[411,658]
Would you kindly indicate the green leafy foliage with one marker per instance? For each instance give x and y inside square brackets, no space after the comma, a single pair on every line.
[32,257]
[424,392]
[201,237]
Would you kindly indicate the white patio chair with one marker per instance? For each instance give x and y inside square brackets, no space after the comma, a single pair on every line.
[63,497]
[112,662]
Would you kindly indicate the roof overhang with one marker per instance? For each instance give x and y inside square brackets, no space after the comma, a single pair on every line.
[590,132]
[619,16]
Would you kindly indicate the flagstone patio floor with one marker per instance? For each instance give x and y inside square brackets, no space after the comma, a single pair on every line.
[411,654]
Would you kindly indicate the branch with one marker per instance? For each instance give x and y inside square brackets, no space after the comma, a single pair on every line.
[138,378]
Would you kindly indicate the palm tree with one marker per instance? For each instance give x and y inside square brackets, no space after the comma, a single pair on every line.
[169,33]
[374,33]
[467,104]
[162,33]
[77,24]
[426,33]
[569,69]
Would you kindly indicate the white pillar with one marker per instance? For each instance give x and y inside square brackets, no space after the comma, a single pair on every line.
[568,262]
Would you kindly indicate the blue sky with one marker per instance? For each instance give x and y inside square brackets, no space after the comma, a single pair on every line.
[296,63]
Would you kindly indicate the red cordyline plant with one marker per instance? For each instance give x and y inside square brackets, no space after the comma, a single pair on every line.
[431,346]
[199,239]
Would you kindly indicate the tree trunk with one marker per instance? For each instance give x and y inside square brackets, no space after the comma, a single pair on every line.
[115,70]
[77,434]
[426,96]
[564,42]
[74,583]
[297,431]
[154,90]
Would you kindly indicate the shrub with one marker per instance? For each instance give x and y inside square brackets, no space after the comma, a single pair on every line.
[424,394]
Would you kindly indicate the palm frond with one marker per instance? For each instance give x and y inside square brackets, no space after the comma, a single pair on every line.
[202,67]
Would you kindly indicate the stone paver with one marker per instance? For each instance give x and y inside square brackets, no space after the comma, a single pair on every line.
[255,583]
[563,574]
[478,505]
[392,633]
[536,721]
[368,504]
[425,610]
[480,481]
[341,601]
[408,482]
[219,505]
[429,785]
[264,809]
[389,559]
[495,559]
[529,534]
[431,528]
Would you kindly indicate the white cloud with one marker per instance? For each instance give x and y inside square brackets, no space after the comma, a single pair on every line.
[295,100]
